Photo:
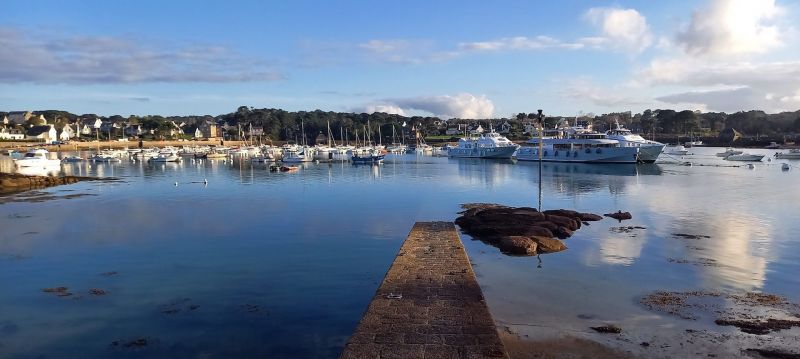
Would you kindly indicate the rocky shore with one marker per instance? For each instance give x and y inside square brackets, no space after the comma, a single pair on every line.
[13,182]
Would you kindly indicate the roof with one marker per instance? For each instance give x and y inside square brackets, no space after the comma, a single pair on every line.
[38,130]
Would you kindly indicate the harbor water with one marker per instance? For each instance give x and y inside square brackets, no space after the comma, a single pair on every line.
[256,263]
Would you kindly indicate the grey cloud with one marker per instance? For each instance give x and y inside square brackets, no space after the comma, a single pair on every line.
[49,58]
[140,99]
[736,99]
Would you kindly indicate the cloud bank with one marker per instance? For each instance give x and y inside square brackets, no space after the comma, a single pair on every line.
[463,105]
[51,58]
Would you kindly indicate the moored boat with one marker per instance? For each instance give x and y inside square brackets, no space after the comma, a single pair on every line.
[578,145]
[489,145]
[36,158]
[793,154]
[744,157]
[648,150]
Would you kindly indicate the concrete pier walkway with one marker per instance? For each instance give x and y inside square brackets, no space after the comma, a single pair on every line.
[429,304]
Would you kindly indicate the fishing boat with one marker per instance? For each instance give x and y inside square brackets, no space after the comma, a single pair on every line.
[373,156]
[488,145]
[36,158]
[104,156]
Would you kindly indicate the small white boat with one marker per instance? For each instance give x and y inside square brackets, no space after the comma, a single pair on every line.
[165,157]
[729,151]
[793,154]
[104,157]
[772,146]
[744,157]
[676,150]
[36,158]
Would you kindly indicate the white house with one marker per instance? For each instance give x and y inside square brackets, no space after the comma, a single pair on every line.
[198,133]
[86,130]
[98,123]
[477,131]
[46,133]
[11,134]
[67,133]
[5,120]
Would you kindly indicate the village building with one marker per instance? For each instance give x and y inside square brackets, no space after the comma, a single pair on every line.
[10,133]
[67,133]
[46,133]
[209,129]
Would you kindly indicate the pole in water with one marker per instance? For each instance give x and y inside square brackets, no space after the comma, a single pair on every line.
[541,145]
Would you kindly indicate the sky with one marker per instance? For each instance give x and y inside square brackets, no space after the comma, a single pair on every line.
[465,59]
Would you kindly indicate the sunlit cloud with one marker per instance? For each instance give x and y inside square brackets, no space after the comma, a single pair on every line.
[622,29]
[729,27]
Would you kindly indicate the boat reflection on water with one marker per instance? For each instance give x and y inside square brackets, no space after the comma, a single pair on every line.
[489,172]
[53,170]
[580,178]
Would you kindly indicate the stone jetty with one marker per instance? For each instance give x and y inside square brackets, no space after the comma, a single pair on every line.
[429,304]
[13,182]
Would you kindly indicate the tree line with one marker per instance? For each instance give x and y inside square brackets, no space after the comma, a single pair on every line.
[281,125]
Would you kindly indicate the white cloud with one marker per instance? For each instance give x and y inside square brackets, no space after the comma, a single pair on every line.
[390,109]
[728,27]
[51,58]
[622,29]
[519,43]
[463,105]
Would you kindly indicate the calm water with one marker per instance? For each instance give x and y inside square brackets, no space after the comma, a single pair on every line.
[283,264]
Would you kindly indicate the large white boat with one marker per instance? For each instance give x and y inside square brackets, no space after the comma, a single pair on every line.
[489,145]
[648,150]
[578,145]
[793,154]
[36,158]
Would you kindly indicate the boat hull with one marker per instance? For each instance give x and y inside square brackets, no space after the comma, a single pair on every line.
[649,154]
[491,152]
[604,155]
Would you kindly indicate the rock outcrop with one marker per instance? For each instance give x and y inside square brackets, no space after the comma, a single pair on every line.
[13,182]
[521,230]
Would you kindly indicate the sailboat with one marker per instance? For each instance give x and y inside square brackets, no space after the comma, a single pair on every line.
[303,154]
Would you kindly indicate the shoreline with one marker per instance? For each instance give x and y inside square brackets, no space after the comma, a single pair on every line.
[77,146]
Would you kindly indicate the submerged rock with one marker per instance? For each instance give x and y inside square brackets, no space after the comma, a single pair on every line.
[610,328]
[619,215]
[517,245]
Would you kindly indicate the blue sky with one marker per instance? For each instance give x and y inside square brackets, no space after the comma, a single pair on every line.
[447,58]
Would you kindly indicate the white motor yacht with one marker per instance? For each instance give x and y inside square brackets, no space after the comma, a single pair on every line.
[578,145]
[729,151]
[489,145]
[744,157]
[648,150]
[36,158]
